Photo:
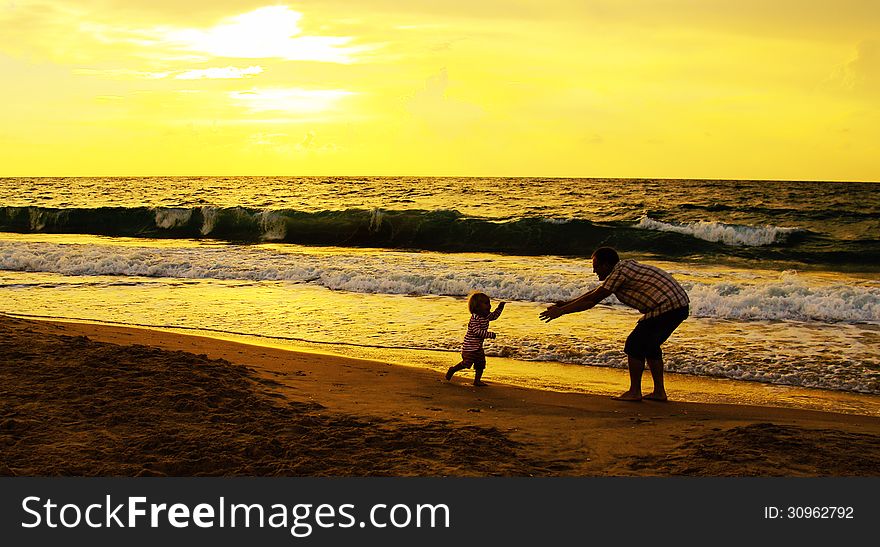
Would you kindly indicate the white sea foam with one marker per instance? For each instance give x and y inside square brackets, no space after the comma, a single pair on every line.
[683,356]
[209,214]
[556,220]
[37,220]
[272,225]
[376,217]
[764,327]
[40,217]
[728,234]
[168,217]
[788,297]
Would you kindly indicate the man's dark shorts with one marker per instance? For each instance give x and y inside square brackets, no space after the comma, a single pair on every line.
[477,359]
[644,341]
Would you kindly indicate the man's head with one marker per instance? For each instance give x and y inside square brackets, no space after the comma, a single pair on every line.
[604,260]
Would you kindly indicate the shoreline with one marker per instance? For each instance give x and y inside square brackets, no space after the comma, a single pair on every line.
[553,376]
[359,417]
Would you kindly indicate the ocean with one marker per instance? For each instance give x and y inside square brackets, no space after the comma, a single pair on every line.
[783,277]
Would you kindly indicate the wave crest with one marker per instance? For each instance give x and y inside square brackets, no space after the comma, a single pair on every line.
[719,232]
[788,298]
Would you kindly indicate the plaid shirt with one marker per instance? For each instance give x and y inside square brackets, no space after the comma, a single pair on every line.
[645,288]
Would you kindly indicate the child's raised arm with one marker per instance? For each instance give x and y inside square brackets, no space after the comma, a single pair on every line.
[498,309]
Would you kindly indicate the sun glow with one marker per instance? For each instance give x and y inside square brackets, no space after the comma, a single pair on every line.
[263,33]
[540,88]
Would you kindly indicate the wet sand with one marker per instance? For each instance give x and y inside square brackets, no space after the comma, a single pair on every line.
[87,400]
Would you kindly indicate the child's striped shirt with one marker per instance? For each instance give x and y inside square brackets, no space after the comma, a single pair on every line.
[478,330]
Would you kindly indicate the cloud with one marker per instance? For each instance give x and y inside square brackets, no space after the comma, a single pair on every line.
[213,73]
[269,32]
[441,113]
[229,72]
[862,74]
[121,73]
[312,144]
[291,100]
[70,32]
[279,144]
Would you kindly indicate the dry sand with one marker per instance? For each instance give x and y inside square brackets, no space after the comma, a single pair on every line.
[85,400]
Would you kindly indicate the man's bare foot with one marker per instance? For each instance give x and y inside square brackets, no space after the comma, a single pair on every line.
[654,396]
[480,383]
[632,396]
[450,372]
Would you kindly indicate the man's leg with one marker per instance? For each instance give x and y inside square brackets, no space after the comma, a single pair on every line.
[636,368]
[659,393]
[667,323]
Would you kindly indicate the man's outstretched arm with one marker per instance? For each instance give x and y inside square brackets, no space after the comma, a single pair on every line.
[581,303]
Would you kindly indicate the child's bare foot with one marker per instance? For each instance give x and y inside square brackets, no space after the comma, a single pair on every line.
[631,396]
[450,372]
[480,383]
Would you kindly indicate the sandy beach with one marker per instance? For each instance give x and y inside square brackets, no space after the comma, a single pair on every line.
[94,400]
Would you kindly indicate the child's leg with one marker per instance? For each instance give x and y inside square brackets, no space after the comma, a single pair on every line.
[478,373]
[453,370]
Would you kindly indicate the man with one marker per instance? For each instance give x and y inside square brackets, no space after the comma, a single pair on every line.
[650,290]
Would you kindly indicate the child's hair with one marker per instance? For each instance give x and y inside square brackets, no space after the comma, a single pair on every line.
[474,299]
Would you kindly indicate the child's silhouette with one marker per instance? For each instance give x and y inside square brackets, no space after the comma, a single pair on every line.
[478,330]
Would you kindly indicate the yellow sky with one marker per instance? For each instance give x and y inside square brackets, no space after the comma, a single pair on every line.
[755,89]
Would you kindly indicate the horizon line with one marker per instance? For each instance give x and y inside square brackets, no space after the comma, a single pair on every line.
[739,179]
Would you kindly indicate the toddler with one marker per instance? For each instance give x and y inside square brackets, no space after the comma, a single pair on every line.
[478,330]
